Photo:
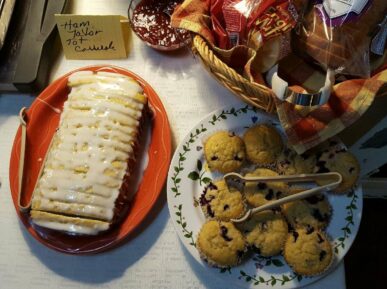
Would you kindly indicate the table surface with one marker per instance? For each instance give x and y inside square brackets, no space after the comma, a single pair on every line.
[153,256]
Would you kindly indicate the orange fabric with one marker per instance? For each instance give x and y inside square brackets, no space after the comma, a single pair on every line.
[305,127]
[348,101]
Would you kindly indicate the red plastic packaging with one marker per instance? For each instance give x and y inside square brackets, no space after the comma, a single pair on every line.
[245,22]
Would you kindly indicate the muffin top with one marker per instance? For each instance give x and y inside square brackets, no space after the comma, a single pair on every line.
[263,144]
[314,211]
[266,231]
[221,244]
[341,161]
[224,152]
[291,163]
[308,251]
[260,193]
[221,202]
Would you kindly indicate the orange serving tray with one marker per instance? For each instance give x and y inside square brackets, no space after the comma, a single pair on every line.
[42,121]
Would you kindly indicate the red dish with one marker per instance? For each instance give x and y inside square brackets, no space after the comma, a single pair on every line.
[151,22]
[42,121]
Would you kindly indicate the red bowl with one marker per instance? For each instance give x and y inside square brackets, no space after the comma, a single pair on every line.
[183,39]
[42,121]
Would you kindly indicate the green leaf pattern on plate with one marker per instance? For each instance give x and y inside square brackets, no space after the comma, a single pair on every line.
[349,221]
[256,279]
[232,111]
[181,221]
[199,175]
[182,157]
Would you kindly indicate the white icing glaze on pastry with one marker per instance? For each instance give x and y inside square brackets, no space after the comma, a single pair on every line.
[88,159]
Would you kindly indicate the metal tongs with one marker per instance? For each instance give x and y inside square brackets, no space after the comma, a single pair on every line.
[334,179]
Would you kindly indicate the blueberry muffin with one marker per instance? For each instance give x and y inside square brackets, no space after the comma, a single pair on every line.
[263,144]
[259,193]
[224,152]
[308,251]
[341,161]
[291,163]
[222,202]
[314,211]
[266,232]
[221,244]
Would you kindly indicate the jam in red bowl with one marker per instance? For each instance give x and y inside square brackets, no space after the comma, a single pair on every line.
[151,21]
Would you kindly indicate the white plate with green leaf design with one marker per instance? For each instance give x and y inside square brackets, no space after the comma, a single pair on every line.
[187,179]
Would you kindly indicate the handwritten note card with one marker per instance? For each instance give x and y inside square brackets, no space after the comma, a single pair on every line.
[93,36]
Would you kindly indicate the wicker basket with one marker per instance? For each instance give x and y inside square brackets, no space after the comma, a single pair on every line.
[254,94]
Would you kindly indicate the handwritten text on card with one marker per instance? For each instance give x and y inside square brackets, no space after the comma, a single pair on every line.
[91,36]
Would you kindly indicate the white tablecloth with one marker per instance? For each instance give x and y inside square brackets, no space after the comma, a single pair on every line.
[153,257]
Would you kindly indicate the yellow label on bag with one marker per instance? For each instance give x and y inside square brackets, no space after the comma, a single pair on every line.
[93,36]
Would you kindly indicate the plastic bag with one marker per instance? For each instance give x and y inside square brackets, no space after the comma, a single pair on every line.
[337,34]
[250,22]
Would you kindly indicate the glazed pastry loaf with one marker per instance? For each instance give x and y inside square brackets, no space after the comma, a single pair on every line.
[83,186]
